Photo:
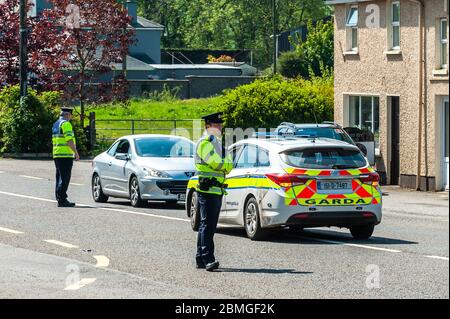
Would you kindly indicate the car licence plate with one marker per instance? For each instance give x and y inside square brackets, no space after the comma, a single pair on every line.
[181,197]
[328,186]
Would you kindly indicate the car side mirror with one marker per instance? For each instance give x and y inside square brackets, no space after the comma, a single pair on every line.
[122,157]
[362,148]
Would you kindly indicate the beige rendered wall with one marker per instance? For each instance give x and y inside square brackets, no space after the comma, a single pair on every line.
[373,72]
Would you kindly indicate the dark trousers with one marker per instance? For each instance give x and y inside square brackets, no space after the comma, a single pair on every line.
[63,175]
[209,205]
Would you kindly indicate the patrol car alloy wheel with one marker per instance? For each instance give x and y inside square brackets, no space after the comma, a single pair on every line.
[135,194]
[97,191]
[252,220]
[194,212]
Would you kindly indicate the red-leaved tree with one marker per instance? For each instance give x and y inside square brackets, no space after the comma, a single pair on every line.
[45,46]
[98,38]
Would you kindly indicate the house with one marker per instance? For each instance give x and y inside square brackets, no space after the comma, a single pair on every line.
[145,50]
[391,77]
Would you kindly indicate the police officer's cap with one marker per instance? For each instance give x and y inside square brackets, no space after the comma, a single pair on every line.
[215,118]
[66,109]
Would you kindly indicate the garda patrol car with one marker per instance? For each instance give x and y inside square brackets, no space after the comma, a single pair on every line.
[297,182]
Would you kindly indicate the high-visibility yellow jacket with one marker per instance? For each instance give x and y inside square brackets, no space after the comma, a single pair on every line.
[62,133]
[211,162]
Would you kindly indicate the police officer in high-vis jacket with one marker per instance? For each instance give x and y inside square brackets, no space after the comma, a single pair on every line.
[64,152]
[212,165]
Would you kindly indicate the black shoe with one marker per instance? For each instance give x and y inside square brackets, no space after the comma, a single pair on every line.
[200,266]
[212,266]
[66,204]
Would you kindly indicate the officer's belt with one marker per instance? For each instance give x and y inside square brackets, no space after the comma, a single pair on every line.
[210,174]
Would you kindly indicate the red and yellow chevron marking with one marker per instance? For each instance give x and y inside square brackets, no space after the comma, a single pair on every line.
[306,195]
[324,172]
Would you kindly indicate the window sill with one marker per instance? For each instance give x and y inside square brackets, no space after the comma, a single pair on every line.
[393,52]
[351,53]
[440,72]
[439,75]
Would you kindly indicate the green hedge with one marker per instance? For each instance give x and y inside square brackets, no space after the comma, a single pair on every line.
[267,102]
[27,128]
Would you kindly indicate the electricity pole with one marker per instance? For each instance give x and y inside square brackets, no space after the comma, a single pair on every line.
[23,49]
[275,38]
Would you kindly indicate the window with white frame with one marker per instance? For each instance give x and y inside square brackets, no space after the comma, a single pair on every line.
[443,43]
[352,28]
[394,28]
[364,113]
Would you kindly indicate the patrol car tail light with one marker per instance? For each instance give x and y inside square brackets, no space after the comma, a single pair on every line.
[287,180]
[370,179]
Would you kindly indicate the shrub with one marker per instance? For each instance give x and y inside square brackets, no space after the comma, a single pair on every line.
[222,58]
[292,65]
[27,127]
[268,102]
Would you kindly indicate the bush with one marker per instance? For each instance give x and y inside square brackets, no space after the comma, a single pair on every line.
[268,102]
[292,65]
[27,128]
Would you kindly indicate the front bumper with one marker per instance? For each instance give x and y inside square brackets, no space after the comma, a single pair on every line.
[163,189]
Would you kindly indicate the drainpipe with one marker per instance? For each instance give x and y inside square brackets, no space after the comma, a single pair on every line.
[421,82]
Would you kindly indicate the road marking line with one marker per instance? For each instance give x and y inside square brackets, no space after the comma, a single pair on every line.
[353,245]
[30,177]
[60,243]
[76,184]
[102,261]
[29,197]
[188,220]
[82,283]
[437,257]
[1,172]
[12,231]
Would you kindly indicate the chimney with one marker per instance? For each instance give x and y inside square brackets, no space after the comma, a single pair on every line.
[132,10]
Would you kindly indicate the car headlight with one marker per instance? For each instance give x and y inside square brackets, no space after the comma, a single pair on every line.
[151,172]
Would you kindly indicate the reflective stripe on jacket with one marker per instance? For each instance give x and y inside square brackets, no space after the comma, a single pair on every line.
[62,133]
[211,162]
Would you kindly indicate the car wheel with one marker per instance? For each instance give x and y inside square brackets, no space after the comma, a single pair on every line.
[194,212]
[362,232]
[97,191]
[252,221]
[295,228]
[135,194]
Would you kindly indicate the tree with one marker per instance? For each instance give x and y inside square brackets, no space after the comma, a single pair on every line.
[229,24]
[318,49]
[9,44]
[312,57]
[45,46]
[95,42]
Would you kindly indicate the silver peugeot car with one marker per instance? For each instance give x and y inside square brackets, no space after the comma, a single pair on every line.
[143,168]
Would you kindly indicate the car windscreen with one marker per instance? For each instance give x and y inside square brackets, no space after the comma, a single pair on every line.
[325,132]
[324,158]
[163,147]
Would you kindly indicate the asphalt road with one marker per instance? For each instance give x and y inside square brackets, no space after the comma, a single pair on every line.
[115,251]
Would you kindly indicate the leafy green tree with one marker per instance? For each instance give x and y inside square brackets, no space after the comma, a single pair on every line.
[318,49]
[312,57]
[229,24]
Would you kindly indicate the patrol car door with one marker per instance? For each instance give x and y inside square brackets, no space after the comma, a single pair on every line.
[117,169]
[238,179]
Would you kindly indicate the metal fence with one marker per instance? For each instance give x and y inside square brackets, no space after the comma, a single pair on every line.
[104,131]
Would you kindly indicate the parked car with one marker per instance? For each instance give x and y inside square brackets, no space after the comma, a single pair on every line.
[299,183]
[365,141]
[143,168]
